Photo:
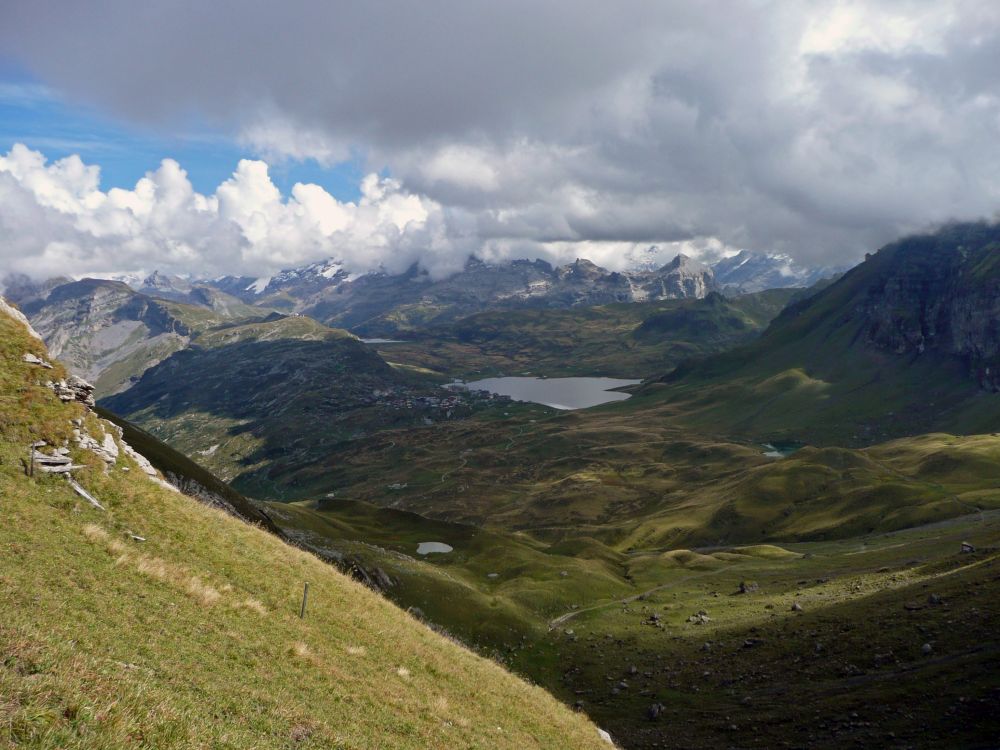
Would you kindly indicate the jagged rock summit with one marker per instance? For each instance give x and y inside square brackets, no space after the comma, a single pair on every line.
[754,272]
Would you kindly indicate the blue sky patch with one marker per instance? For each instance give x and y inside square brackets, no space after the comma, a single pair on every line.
[38,117]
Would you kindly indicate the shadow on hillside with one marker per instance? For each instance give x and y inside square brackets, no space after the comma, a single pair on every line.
[297,397]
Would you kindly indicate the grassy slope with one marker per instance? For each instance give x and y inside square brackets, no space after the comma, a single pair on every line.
[192,639]
[632,482]
[813,376]
[867,678]
[847,670]
[622,340]
[257,391]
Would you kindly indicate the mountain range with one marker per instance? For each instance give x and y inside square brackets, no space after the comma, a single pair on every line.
[804,478]
[111,330]
[755,272]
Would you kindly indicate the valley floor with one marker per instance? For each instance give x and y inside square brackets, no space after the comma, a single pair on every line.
[886,639]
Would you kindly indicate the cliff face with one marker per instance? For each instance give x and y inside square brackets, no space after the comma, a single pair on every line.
[940,293]
[95,325]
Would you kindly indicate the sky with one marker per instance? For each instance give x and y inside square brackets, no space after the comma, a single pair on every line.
[244,138]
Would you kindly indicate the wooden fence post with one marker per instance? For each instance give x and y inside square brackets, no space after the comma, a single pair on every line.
[31,460]
[305,598]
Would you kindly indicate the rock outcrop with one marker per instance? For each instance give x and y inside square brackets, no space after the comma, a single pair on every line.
[940,294]
[95,326]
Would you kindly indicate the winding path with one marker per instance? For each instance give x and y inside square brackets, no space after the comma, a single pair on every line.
[563,619]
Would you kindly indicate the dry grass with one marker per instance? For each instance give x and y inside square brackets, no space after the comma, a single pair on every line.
[254,605]
[201,592]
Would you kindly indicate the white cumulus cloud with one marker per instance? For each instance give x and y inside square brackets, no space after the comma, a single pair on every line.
[57,221]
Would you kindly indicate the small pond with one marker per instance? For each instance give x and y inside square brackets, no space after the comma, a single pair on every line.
[779,450]
[559,393]
[427,548]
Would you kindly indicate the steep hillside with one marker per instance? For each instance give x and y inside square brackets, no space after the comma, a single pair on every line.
[159,622]
[906,342]
[619,340]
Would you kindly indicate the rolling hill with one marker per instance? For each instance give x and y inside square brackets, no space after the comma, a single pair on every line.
[253,401]
[156,621]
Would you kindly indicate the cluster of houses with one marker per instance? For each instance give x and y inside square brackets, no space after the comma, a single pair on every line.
[450,402]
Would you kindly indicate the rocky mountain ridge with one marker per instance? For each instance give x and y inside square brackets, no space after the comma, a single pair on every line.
[906,342]
[754,272]
[109,333]
[93,324]
[378,303]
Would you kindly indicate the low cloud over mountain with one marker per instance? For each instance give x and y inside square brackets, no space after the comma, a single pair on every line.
[518,129]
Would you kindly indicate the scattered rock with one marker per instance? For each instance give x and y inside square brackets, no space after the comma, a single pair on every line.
[84,494]
[700,618]
[382,579]
[33,359]
[53,464]
[73,389]
[926,649]
[492,576]
[886,658]
[796,607]
[106,448]
[654,711]
[140,460]
[748,587]
[967,548]
[934,600]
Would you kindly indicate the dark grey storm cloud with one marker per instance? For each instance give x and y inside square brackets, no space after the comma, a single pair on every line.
[820,128]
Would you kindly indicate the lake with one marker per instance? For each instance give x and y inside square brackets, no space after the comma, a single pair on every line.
[381,341]
[779,450]
[559,393]
[427,548]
